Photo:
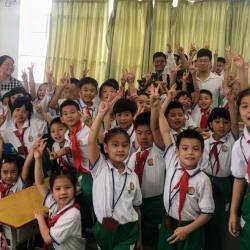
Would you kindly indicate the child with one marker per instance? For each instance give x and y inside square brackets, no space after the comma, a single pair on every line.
[108,88]
[240,167]
[187,196]
[186,100]
[124,111]
[116,191]
[77,140]
[148,164]
[88,91]
[59,152]
[23,129]
[201,111]
[216,164]
[64,225]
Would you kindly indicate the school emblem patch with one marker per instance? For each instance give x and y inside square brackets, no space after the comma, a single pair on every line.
[80,142]
[150,162]
[224,148]
[131,186]
[30,138]
[191,190]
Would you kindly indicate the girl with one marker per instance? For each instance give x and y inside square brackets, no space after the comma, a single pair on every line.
[240,167]
[23,129]
[116,190]
[64,225]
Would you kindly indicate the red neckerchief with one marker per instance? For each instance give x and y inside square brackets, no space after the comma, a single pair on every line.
[140,162]
[20,136]
[214,152]
[183,189]
[4,189]
[204,117]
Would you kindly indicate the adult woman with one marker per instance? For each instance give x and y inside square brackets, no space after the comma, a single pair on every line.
[7,82]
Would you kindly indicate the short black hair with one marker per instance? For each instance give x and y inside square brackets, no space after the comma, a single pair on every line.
[69,103]
[241,95]
[17,90]
[207,92]
[205,52]
[123,105]
[110,83]
[190,134]
[6,95]
[56,120]
[159,54]
[218,113]
[4,58]
[183,93]
[75,81]
[115,131]
[174,105]
[221,59]
[11,159]
[142,119]
[88,80]
[19,102]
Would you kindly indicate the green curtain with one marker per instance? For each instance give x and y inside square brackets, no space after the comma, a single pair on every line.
[128,36]
[77,36]
[200,23]
[240,31]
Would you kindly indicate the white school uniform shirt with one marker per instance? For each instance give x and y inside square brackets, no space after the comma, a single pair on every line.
[66,158]
[103,192]
[240,156]
[35,128]
[93,108]
[189,123]
[209,165]
[82,142]
[212,83]
[18,186]
[196,115]
[67,231]
[199,199]
[153,174]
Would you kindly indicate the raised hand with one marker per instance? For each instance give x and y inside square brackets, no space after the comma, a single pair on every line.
[65,80]
[24,76]
[154,95]
[31,68]
[85,72]
[238,61]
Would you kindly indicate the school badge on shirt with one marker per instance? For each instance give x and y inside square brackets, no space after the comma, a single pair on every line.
[80,142]
[150,162]
[224,148]
[191,190]
[30,138]
[131,187]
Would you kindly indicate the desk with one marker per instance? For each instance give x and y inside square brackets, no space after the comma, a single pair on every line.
[16,214]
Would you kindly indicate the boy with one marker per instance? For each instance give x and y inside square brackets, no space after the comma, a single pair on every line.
[201,111]
[220,66]
[88,91]
[187,193]
[124,111]
[77,140]
[149,166]
[109,87]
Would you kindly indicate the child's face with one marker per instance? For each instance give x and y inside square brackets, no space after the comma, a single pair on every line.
[63,191]
[70,116]
[9,173]
[220,126]
[205,101]
[189,152]
[124,119]
[5,101]
[14,97]
[88,93]
[143,102]
[41,91]
[71,91]
[176,118]
[117,148]
[57,131]
[185,101]
[245,110]
[219,67]
[144,136]
[20,115]
[107,91]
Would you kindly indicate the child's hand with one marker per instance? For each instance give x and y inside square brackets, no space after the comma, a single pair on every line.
[38,147]
[64,81]
[31,68]
[85,72]
[52,154]
[180,233]
[154,96]
[39,214]
[103,108]
[238,61]
[24,76]
[172,92]
[233,225]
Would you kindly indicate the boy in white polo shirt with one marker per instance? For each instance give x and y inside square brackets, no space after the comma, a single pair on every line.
[187,195]
[149,165]
[116,190]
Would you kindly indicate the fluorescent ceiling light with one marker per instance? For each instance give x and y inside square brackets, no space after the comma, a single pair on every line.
[175,3]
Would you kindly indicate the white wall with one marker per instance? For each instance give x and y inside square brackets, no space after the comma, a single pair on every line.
[9,30]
